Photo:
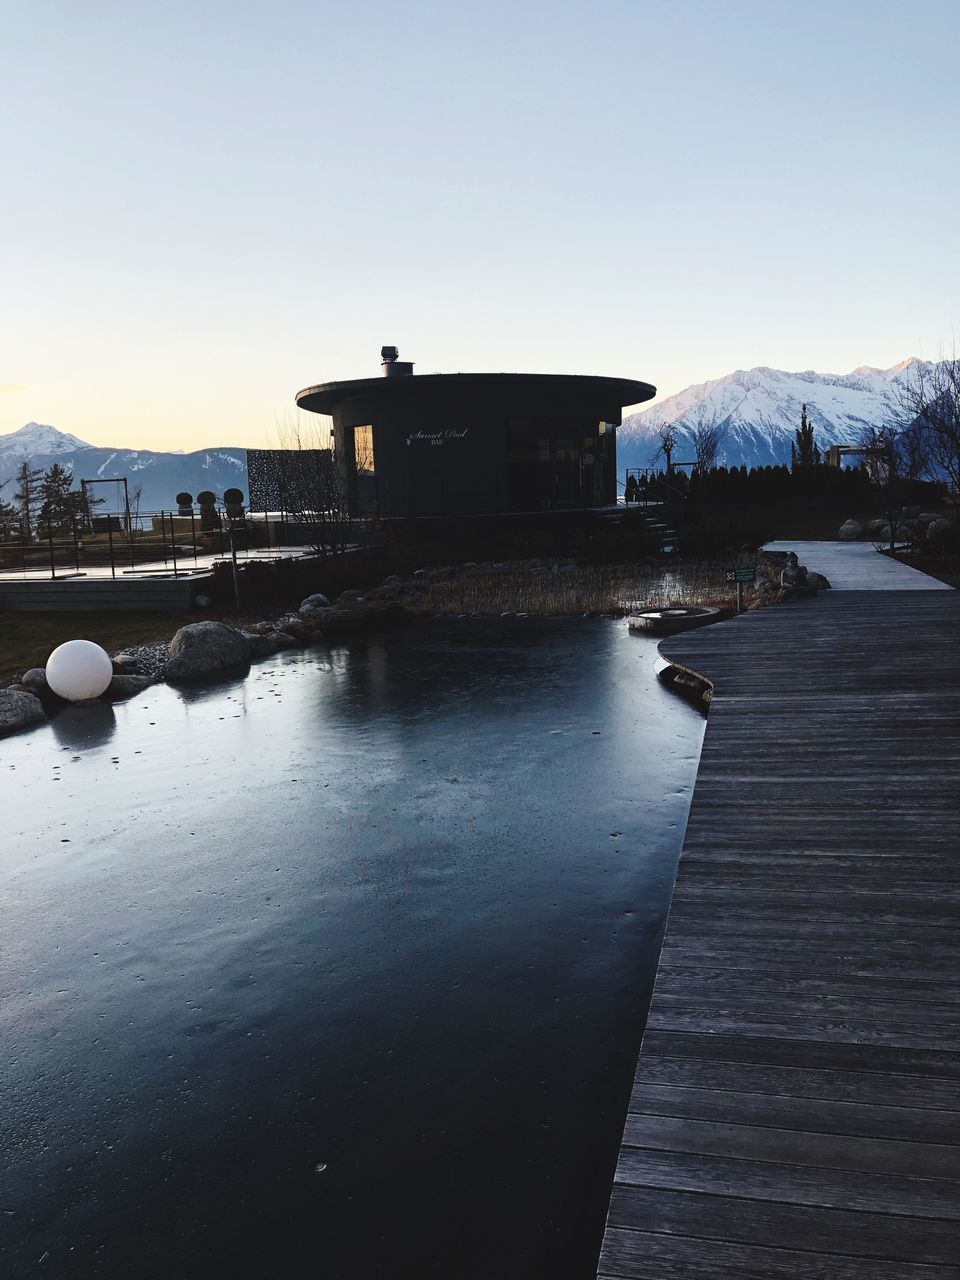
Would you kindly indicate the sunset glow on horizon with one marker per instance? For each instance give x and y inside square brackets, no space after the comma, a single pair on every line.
[209,208]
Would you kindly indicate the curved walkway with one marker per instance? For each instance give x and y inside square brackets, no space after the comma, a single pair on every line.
[858,566]
[796,1109]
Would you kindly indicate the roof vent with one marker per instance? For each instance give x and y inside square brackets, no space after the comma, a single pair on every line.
[391,366]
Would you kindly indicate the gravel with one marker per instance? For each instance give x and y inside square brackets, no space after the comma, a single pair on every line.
[151,658]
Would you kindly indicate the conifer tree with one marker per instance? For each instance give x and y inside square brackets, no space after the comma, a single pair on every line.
[62,505]
[27,496]
[804,451]
[9,519]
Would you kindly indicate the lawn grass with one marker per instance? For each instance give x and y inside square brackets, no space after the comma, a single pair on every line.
[27,639]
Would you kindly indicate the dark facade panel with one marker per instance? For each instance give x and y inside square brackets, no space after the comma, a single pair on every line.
[287,480]
[468,444]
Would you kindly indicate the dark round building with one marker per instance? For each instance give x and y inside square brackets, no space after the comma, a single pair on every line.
[449,444]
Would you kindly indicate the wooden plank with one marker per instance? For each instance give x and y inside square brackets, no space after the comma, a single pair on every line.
[902,960]
[928,1015]
[789,1184]
[682,1258]
[803,1145]
[788,1226]
[860,1119]
[747,983]
[915,1030]
[783,1052]
[796,1107]
[832,1085]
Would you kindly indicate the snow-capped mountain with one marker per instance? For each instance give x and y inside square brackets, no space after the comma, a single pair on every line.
[37,438]
[161,475]
[759,411]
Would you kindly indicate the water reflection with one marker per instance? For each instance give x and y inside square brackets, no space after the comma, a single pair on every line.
[83,726]
[391,909]
[209,691]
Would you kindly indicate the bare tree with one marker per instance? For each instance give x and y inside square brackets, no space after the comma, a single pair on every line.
[886,465]
[914,450]
[929,403]
[136,494]
[707,435]
[668,442]
[312,483]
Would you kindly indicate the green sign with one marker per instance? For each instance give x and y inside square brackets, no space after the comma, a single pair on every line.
[747,573]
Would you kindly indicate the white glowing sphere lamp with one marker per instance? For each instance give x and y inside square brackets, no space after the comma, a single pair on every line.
[79,669]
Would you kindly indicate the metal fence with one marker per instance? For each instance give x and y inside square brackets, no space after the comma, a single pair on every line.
[171,542]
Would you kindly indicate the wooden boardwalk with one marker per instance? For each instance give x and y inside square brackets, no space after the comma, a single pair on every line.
[796,1109]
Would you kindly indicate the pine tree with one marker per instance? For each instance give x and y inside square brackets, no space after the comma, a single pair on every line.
[9,520]
[804,451]
[62,505]
[27,496]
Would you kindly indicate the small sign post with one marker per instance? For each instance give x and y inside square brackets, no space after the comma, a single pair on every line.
[740,575]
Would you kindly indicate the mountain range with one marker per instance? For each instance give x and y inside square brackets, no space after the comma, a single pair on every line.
[161,475]
[758,411]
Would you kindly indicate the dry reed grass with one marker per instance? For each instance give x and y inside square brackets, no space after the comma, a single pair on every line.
[553,588]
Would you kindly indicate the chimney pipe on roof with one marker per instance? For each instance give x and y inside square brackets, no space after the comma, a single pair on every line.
[392,367]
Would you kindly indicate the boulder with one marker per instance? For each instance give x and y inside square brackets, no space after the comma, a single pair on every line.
[938,525]
[125,686]
[317,601]
[125,664]
[19,710]
[205,650]
[850,531]
[265,640]
[35,680]
[260,644]
[301,632]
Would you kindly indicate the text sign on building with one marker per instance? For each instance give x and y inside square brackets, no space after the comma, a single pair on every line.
[444,436]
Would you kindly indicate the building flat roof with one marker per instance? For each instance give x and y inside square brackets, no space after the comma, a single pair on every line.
[625,391]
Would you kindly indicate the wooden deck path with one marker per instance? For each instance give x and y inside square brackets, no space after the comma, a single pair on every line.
[796,1109]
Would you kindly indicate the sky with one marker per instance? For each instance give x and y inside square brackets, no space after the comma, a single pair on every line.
[206,206]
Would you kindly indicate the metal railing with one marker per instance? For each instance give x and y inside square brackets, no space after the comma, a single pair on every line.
[162,542]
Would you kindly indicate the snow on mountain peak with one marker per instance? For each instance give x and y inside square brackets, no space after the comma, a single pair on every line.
[759,411]
[39,438]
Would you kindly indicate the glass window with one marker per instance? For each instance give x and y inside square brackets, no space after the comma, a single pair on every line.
[363,449]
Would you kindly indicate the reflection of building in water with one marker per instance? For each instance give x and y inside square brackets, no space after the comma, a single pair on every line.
[474,443]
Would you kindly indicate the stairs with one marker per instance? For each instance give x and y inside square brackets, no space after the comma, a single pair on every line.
[653,515]
[658,522]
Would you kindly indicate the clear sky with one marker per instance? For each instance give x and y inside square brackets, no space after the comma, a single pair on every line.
[207,205]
